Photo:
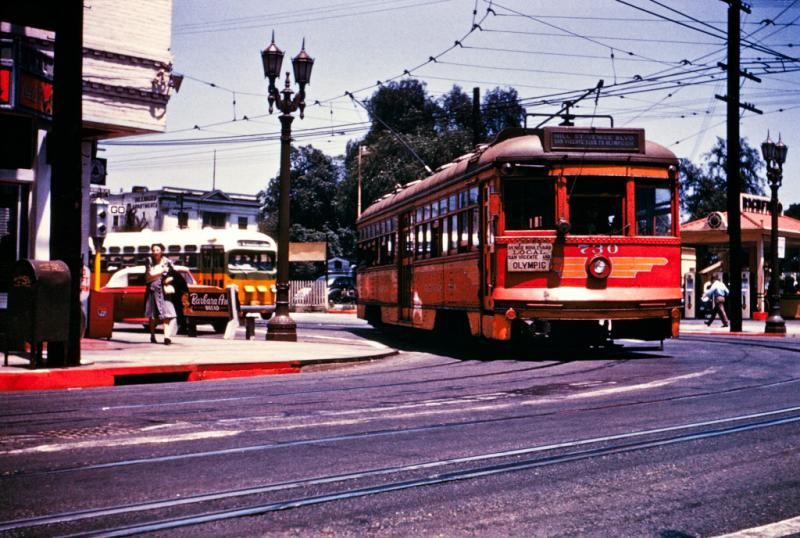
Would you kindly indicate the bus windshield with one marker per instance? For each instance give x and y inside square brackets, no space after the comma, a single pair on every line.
[250,264]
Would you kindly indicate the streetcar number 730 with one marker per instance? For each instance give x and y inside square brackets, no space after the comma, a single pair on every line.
[598,250]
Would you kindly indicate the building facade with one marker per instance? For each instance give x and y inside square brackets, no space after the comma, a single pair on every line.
[126,84]
[173,208]
[709,238]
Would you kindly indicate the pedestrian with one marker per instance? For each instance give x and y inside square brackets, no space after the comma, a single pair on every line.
[157,306]
[717,293]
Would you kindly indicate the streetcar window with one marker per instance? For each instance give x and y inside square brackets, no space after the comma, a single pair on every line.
[653,210]
[595,206]
[463,231]
[435,240]
[443,206]
[445,236]
[473,195]
[475,227]
[529,204]
[453,232]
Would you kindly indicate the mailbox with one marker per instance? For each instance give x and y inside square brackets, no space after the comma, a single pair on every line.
[39,304]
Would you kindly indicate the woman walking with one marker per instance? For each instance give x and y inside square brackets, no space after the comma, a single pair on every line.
[157,307]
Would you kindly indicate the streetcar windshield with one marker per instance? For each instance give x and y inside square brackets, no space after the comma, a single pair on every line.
[653,210]
[595,206]
[529,203]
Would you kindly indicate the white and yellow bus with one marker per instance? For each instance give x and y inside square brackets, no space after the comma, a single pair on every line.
[215,257]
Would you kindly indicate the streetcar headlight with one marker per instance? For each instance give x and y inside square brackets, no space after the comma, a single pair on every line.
[599,267]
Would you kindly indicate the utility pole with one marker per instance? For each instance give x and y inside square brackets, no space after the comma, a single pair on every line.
[214,173]
[65,152]
[363,151]
[477,131]
[733,165]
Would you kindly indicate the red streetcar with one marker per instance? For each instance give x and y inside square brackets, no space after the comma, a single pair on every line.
[563,232]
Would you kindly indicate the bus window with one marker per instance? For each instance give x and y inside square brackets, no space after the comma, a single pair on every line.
[245,263]
[595,206]
[653,210]
[529,204]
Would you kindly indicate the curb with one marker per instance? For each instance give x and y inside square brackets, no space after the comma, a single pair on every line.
[728,333]
[95,377]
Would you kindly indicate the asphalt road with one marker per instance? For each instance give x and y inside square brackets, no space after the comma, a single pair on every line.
[700,439]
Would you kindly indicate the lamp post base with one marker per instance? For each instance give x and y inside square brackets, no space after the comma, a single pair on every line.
[282,328]
[775,325]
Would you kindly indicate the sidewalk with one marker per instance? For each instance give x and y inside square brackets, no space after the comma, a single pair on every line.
[129,358]
[750,327]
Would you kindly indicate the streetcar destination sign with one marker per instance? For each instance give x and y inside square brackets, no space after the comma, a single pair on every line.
[583,139]
[527,257]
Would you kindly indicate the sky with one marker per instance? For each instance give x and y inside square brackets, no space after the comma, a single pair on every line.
[657,59]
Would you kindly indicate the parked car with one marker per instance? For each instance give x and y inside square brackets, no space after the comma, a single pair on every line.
[342,290]
[128,288]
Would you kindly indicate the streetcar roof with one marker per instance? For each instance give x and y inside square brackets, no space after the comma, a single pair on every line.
[532,145]
[229,239]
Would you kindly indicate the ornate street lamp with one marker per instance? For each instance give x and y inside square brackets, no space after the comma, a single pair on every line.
[282,326]
[774,155]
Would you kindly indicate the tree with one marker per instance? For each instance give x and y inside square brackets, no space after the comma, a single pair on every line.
[404,106]
[704,188]
[500,110]
[314,180]
[793,211]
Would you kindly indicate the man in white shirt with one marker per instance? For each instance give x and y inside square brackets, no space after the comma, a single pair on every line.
[717,293]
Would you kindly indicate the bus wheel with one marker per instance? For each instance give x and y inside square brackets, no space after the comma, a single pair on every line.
[219,326]
[266,315]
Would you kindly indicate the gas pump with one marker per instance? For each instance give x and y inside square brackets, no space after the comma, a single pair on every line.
[746,306]
[689,296]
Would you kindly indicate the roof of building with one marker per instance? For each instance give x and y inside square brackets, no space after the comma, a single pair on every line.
[750,222]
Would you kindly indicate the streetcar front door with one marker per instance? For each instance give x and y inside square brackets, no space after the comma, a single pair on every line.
[405,266]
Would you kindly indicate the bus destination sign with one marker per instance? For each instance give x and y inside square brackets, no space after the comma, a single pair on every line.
[605,140]
[528,257]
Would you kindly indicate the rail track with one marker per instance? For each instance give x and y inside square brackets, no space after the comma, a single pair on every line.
[164,514]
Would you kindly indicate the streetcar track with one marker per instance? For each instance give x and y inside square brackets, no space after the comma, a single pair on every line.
[708,429]
[373,434]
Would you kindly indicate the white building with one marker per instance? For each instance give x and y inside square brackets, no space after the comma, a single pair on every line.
[172,208]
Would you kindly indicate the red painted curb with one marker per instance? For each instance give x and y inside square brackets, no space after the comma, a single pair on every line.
[93,376]
[108,377]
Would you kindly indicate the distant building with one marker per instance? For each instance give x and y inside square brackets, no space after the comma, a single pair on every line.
[173,208]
